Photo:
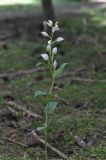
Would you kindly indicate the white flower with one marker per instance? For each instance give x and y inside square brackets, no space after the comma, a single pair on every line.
[45,34]
[55,64]
[50,23]
[45,56]
[54,51]
[48,48]
[56,27]
[49,42]
[59,39]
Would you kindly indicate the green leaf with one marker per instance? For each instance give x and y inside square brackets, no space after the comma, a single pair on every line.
[38,64]
[50,107]
[40,93]
[59,70]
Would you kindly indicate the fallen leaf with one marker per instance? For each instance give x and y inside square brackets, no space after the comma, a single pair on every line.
[80,142]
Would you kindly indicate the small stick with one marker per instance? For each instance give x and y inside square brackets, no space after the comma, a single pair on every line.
[88,80]
[12,111]
[68,74]
[18,143]
[19,73]
[60,154]
[65,75]
[17,106]
[13,141]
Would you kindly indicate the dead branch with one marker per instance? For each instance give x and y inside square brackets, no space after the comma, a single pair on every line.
[12,111]
[60,154]
[30,71]
[13,141]
[88,80]
[17,143]
[41,141]
[20,73]
[64,75]
[21,108]
[68,74]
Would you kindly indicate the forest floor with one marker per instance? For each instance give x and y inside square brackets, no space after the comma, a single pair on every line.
[78,127]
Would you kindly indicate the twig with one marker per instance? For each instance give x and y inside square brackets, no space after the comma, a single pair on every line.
[12,111]
[88,80]
[20,144]
[68,74]
[19,107]
[13,141]
[19,73]
[65,75]
[60,154]
[30,71]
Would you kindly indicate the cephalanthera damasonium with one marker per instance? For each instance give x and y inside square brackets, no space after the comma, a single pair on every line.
[50,59]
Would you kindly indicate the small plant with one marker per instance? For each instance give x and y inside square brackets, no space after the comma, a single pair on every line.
[51,63]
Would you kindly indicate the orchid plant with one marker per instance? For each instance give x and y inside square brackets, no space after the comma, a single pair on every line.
[50,60]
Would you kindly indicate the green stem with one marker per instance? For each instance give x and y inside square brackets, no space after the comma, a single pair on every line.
[46,138]
[46,121]
[49,99]
[51,89]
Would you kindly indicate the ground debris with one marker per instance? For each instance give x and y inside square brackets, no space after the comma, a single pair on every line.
[24,109]
[86,142]
[80,142]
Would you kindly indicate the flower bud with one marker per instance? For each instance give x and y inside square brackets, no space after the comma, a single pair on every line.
[54,51]
[50,23]
[45,34]
[59,39]
[49,42]
[55,64]
[48,48]
[45,57]
[55,28]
